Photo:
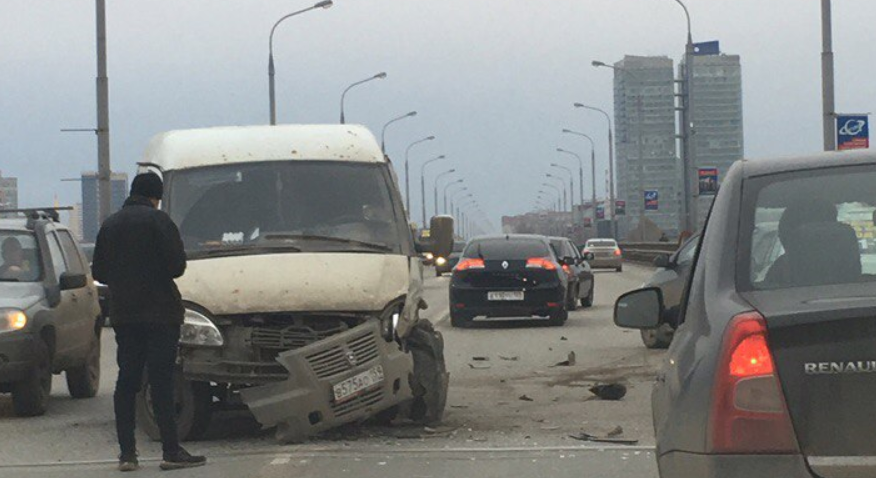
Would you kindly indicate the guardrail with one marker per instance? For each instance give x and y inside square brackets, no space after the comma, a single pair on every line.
[646,252]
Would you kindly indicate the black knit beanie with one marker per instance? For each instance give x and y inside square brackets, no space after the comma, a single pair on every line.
[147,185]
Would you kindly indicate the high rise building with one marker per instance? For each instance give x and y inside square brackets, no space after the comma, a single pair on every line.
[75,224]
[8,192]
[718,139]
[644,112]
[90,207]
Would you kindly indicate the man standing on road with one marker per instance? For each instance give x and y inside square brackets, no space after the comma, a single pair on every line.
[138,254]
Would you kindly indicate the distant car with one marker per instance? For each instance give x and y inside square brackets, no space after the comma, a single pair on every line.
[445,265]
[581,283]
[772,370]
[49,315]
[671,278]
[508,276]
[606,254]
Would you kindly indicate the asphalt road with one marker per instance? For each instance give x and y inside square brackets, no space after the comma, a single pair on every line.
[510,413]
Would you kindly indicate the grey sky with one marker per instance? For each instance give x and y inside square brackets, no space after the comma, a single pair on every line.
[493,79]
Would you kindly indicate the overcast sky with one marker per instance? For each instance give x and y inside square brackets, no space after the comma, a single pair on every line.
[493,79]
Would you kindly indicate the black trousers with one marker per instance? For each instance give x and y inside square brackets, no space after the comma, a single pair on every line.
[153,347]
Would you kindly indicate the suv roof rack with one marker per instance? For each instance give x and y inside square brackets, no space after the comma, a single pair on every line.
[39,213]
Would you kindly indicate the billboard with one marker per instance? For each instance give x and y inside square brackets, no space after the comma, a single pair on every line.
[708,180]
[852,132]
[600,211]
[652,200]
[620,208]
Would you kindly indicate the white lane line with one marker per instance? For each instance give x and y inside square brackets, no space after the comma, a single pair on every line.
[333,452]
[281,460]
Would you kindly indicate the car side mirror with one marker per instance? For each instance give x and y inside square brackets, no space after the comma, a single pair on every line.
[639,309]
[69,281]
[570,261]
[441,235]
[662,261]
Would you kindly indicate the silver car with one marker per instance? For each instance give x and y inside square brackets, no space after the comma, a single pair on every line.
[772,371]
[606,254]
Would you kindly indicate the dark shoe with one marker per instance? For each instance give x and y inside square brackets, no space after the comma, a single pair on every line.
[128,462]
[181,459]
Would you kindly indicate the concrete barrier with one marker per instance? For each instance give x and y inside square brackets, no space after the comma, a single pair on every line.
[646,252]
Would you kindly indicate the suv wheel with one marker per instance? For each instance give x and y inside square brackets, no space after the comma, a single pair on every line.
[588,301]
[30,397]
[84,381]
[192,403]
[429,380]
[572,301]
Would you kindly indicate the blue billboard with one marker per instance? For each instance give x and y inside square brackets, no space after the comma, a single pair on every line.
[852,132]
[652,200]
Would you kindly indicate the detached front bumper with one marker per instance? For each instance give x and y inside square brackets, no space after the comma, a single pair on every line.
[304,404]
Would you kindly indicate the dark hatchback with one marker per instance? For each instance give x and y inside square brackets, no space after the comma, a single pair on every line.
[508,276]
[772,371]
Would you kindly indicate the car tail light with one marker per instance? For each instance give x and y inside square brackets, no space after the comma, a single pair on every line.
[567,269]
[617,251]
[467,264]
[749,413]
[541,263]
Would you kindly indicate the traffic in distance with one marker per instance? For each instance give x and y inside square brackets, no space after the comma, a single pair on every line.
[484,270]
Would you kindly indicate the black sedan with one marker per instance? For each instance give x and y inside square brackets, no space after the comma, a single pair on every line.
[581,281]
[508,276]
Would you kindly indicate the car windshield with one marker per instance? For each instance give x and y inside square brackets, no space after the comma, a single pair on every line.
[502,249]
[813,229]
[19,257]
[284,205]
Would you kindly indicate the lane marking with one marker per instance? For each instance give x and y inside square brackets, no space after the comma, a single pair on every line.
[326,452]
[281,460]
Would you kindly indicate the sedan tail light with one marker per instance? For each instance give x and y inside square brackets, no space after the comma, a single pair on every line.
[749,413]
[541,263]
[617,251]
[467,264]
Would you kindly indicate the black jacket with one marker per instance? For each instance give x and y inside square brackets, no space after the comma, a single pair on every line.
[138,254]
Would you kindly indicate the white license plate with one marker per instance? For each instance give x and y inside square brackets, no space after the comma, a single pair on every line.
[353,386]
[505,296]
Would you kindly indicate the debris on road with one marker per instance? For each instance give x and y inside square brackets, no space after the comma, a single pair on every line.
[563,338]
[481,359]
[618,431]
[510,359]
[526,398]
[569,362]
[611,391]
[480,366]
[584,436]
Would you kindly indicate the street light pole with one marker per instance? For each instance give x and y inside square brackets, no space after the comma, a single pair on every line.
[394,120]
[611,198]
[448,186]
[592,168]
[571,186]
[104,170]
[828,99]
[423,184]
[688,161]
[378,76]
[559,195]
[271,92]
[408,172]
[435,189]
[580,176]
[562,188]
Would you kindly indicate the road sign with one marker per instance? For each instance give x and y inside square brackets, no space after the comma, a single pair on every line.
[708,178]
[620,208]
[852,132]
[652,200]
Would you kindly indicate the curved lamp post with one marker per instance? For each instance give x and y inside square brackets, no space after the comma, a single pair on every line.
[592,167]
[408,171]
[378,76]
[448,186]
[435,188]
[423,183]
[610,166]
[271,92]
[394,120]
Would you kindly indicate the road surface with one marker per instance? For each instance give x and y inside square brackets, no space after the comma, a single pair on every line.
[510,413]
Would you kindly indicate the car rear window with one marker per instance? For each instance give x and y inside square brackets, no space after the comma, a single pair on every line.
[812,228]
[505,249]
[605,243]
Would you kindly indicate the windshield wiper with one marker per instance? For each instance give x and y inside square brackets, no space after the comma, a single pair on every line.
[340,240]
